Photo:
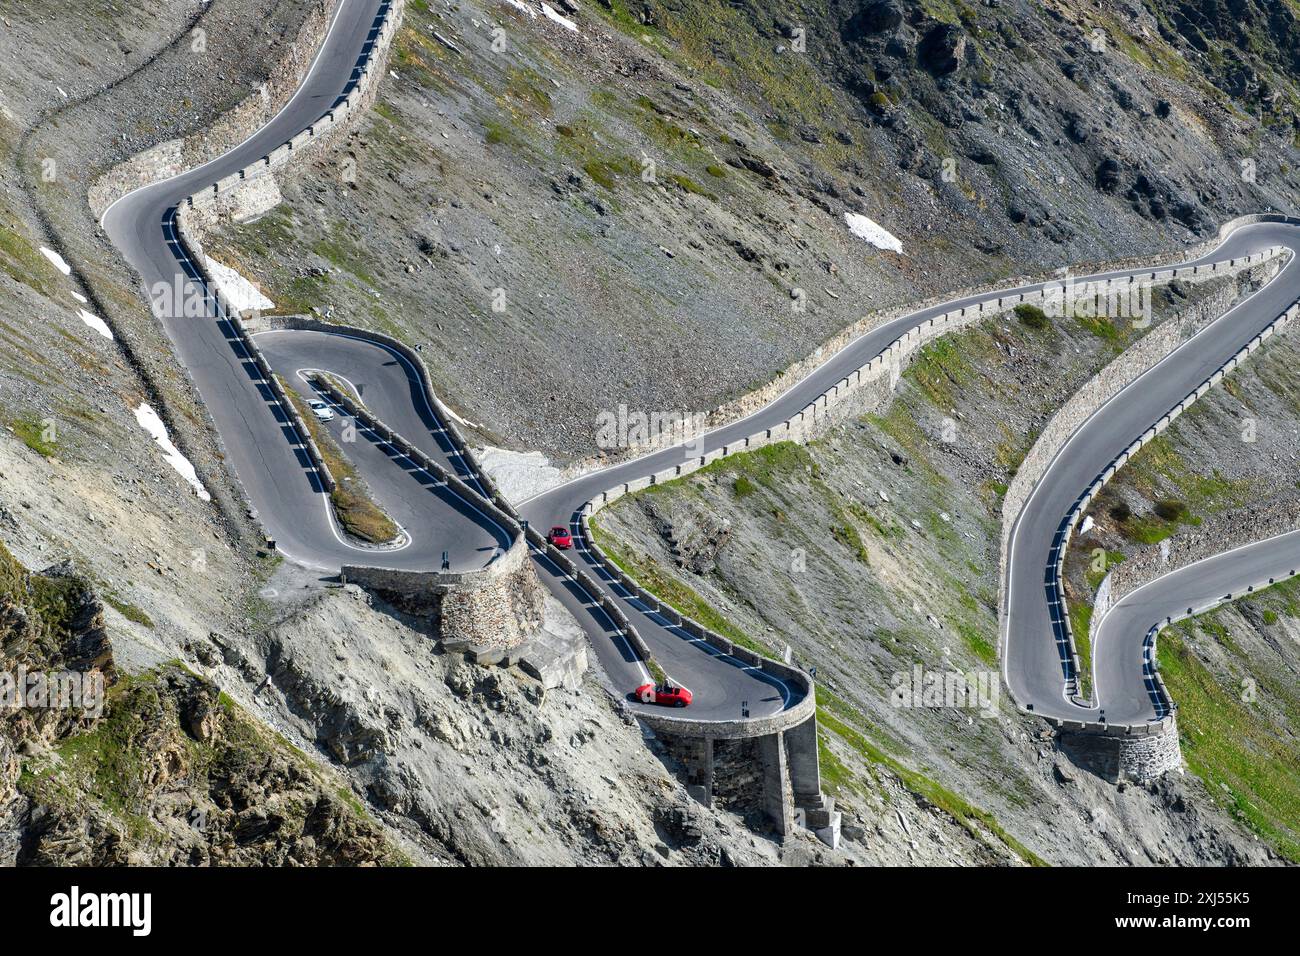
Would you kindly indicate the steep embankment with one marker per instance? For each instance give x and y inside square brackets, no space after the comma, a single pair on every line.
[985,138]
[154,768]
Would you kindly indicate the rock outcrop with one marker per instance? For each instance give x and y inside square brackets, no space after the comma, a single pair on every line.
[160,770]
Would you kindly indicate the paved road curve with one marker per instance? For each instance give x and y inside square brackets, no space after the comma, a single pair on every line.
[260,443]
[262,449]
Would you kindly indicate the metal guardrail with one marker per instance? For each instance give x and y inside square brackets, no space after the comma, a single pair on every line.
[190,253]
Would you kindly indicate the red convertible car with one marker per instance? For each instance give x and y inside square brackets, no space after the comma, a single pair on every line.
[665,695]
[560,537]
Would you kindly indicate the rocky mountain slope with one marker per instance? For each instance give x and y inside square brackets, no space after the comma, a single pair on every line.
[177,587]
[873,555]
[650,210]
[155,768]
[560,215]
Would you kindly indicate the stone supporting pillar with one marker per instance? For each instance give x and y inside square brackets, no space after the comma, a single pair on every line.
[1145,758]
[805,769]
[775,798]
[695,754]
[1117,757]
[699,771]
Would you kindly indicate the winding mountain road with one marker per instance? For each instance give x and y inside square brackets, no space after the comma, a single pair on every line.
[268,458]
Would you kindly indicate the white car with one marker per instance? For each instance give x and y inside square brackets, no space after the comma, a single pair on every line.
[321,410]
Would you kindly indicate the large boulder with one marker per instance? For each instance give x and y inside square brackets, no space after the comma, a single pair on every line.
[1108,175]
[942,50]
[880,16]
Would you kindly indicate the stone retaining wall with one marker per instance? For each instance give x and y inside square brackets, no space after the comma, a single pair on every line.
[501,605]
[222,196]
[1118,757]
[159,162]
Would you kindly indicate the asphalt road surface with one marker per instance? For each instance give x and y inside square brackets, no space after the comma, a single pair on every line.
[267,458]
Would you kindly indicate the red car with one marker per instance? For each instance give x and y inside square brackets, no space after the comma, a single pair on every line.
[560,537]
[665,695]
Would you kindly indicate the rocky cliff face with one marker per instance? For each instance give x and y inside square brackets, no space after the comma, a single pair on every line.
[479,765]
[157,768]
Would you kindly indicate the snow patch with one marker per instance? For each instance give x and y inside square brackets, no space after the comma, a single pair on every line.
[523,8]
[57,259]
[563,21]
[96,323]
[519,474]
[239,292]
[148,419]
[866,229]
[79,297]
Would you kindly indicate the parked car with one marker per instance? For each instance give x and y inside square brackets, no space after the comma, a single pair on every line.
[321,410]
[665,695]
[560,537]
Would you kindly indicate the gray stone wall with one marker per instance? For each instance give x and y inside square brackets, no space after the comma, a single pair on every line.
[501,611]
[1145,758]
[738,777]
[1118,757]
[159,162]
[501,606]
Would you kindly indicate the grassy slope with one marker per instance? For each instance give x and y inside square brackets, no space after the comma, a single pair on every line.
[1237,714]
